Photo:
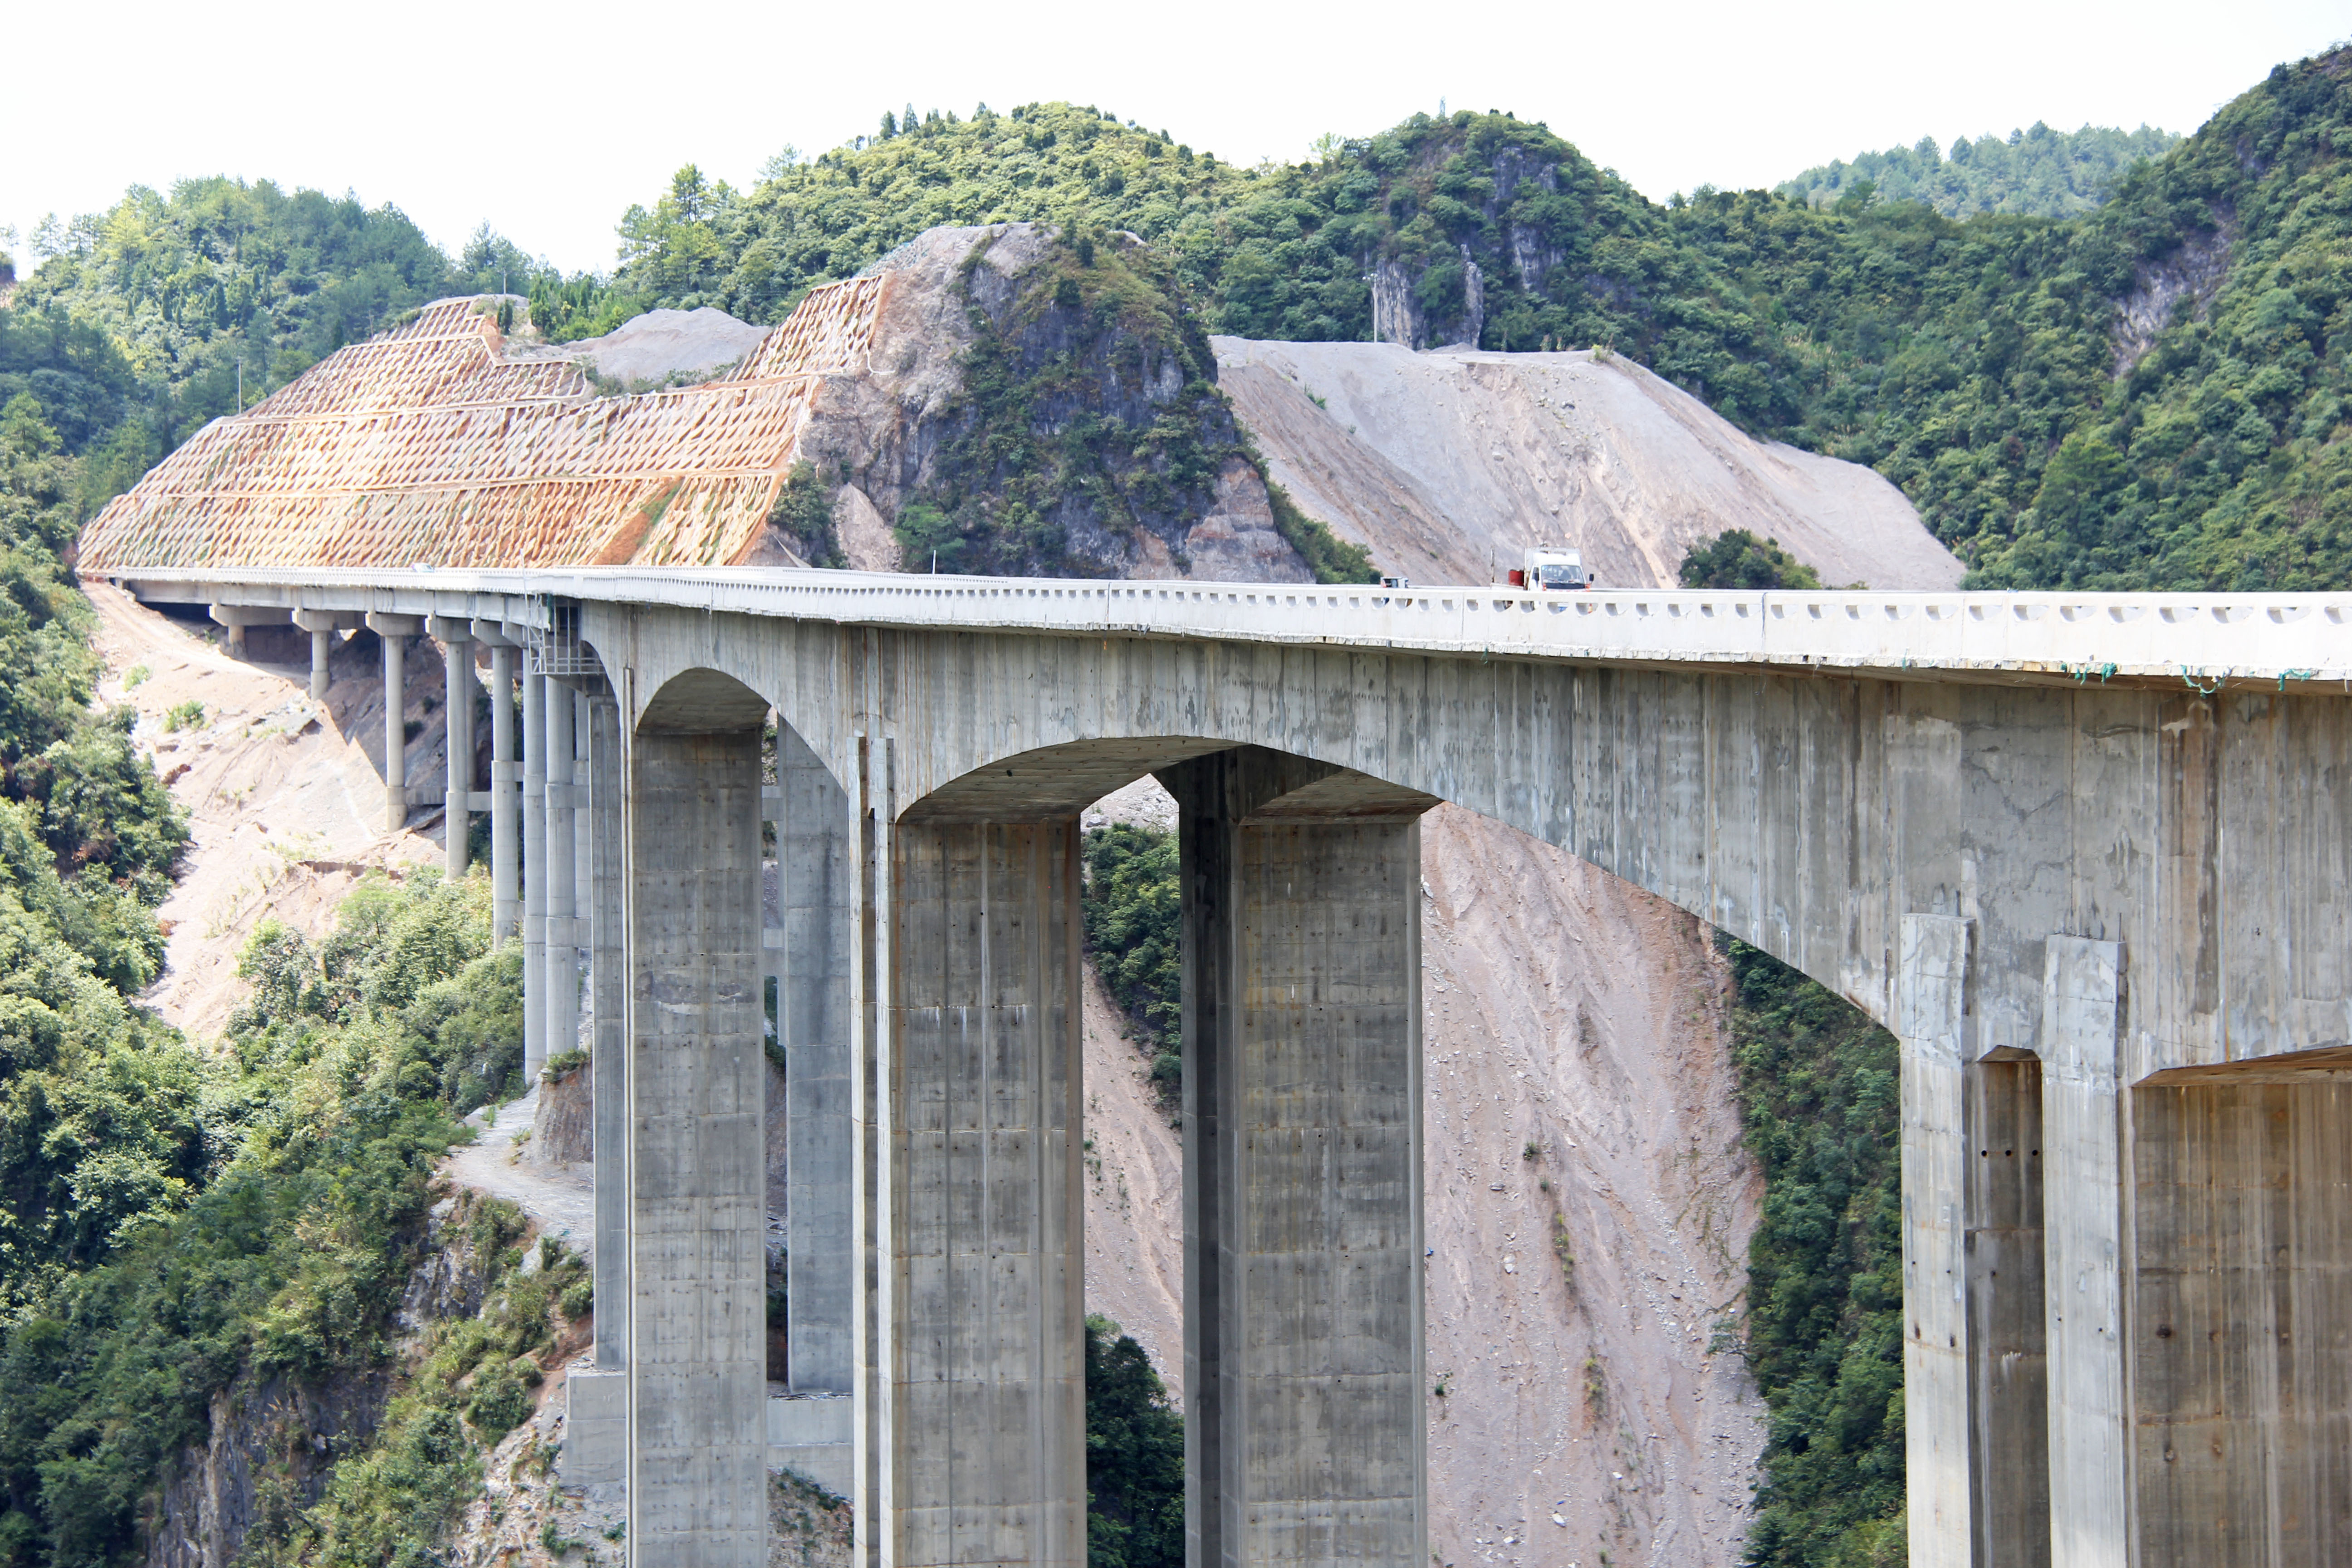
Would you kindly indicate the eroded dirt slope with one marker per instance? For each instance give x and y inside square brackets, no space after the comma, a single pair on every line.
[285,794]
[1448,463]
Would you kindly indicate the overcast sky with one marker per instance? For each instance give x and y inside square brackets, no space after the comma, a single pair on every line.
[548,124]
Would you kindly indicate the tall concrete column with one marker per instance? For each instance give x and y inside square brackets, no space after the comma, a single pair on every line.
[984,1371]
[2082,1143]
[534,873]
[505,859]
[697,1390]
[583,830]
[609,1061]
[2240,1324]
[816,864]
[560,856]
[458,688]
[1931,1020]
[1304,1383]
[395,631]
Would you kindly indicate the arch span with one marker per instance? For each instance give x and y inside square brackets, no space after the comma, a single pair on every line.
[1061,781]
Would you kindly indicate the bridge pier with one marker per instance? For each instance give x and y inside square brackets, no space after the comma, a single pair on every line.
[2087,1248]
[813,966]
[981,1382]
[1305,1426]
[609,1058]
[506,856]
[457,688]
[696,1084]
[560,862]
[535,686]
[394,631]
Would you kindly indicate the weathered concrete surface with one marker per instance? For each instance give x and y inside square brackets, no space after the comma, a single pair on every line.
[697,1356]
[559,865]
[1304,1429]
[2009,1393]
[608,1063]
[2242,1353]
[535,686]
[817,867]
[983,1402]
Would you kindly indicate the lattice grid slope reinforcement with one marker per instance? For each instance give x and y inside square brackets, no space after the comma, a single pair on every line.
[425,445]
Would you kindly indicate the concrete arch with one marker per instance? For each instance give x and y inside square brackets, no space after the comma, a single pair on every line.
[1061,781]
[701,701]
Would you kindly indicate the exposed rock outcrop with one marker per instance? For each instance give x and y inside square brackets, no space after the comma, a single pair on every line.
[563,1127]
[1055,410]
[271,1445]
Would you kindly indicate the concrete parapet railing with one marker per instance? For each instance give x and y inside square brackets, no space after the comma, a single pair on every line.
[2202,640]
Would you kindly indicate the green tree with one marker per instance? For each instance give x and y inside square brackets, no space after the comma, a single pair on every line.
[1135,1456]
[1820,1093]
[1737,559]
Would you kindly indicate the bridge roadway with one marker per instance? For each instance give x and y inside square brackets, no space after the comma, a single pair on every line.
[2085,856]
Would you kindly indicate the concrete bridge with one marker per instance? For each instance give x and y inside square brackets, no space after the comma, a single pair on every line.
[2086,856]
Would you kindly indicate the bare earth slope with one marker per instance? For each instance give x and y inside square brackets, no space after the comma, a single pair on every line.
[285,794]
[1448,463]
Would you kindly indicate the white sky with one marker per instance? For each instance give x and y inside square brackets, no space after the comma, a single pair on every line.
[547,122]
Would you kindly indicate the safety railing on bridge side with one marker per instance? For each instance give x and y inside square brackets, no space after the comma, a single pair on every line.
[2199,640]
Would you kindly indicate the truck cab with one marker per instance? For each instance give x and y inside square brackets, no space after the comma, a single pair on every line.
[1549,569]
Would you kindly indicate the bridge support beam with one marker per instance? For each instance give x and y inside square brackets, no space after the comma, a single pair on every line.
[2241,1315]
[2086,1249]
[560,855]
[696,1361]
[609,1058]
[534,873]
[1303,1312]
[505,847]
[457,687]
[816,863]
[395,631]
[984,1425]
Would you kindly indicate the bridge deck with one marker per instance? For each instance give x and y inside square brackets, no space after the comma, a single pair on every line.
[2283,641]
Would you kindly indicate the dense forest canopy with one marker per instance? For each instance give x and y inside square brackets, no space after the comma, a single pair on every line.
[2039,172]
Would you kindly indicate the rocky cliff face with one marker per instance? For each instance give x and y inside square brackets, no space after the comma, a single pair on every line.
[271,1445]
[1040,405]
[273,1441]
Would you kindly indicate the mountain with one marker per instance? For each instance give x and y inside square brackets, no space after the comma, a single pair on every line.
[2039,172]
[2152,394]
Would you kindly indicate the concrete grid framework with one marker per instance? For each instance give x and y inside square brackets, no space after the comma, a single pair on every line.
[2095,890]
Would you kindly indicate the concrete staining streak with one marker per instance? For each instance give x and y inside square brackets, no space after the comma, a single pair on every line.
[1448,463]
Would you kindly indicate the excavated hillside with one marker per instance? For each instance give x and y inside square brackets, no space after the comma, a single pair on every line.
[1043,408]
[1448,463]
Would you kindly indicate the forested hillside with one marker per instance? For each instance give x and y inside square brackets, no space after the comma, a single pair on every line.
[140,323]
[2039,172]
